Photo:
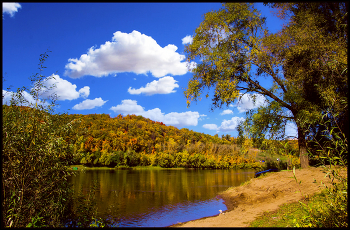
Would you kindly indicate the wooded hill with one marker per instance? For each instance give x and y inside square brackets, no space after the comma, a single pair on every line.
[126,141]
[99,140]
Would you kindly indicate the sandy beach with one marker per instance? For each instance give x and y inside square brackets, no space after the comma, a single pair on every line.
[246,202]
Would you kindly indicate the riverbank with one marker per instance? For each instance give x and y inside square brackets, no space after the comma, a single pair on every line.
[149,167]
[250,200]
[82,168]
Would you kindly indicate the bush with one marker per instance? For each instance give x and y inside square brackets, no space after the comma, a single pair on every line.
[278,164]
[165,160]
[117,158]
[131,158]
[210,163]
[145,160]
[34,160]
[335,212]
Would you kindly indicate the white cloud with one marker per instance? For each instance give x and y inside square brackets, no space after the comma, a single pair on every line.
[226,125]
[227,111]
[246,102]
[89,104]
[10,8]
[164,85]
[188,118]
[210,126]
[133,52]
[128,107]
[187,40]
[84,92]
[64,89]
[27,97]
[202,117]
[230,125]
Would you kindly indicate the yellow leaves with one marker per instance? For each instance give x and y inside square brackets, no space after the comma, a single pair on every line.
[226,90]
[226,42]
[193,91]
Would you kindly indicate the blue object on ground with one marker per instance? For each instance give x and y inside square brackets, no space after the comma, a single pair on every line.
[262,172]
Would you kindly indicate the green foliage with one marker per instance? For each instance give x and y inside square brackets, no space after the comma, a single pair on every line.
[132,141]
[335,213]
[117,158]
[233,39]
[34,156]
[225,42]
[165,160]
[273,163]
[131,158]
[145,160]
[288,214]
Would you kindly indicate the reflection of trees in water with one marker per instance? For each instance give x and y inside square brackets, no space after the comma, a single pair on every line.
[133,192]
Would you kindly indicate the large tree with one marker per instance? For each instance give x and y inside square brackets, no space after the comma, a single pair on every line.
[236,54]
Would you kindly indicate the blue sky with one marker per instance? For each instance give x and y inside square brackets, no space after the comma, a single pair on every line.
[116,58]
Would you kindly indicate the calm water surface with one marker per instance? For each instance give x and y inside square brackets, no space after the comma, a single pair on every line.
[158,198]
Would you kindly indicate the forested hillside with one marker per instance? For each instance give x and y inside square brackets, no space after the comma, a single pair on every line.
[99,140]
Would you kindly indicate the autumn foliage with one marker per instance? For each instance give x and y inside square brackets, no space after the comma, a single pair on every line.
[99,140]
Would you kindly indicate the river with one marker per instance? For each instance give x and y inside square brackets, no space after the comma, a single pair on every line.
[158,197]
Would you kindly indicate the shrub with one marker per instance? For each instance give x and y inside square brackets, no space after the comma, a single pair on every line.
[145,160]
[131,158]
[34,160]
[274,163]
[117,158]
[165,160]
[335,212]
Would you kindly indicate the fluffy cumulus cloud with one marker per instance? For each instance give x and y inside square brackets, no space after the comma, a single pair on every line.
[230,125]
[128,52]
[188,118]
[226,125]
[10,8]
[84,92]
[64,89]
[187,40]
[26,98]
[227,111]
[128,107]
[164,85]
[247,103]
[210,126]
[89,104]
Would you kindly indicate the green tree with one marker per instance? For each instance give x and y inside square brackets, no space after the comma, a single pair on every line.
[237,53]
[319,62]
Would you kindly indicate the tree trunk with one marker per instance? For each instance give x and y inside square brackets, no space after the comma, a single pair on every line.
[304,159]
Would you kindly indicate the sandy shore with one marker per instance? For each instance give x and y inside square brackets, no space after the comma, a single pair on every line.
[245,203]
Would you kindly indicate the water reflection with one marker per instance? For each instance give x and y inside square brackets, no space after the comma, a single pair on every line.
[159,198]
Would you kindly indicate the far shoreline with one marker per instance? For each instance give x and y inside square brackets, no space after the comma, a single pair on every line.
[149,167]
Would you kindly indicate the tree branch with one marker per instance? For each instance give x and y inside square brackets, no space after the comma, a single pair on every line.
[273,75]
[268,93]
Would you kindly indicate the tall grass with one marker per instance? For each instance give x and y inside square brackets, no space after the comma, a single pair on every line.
[333,211]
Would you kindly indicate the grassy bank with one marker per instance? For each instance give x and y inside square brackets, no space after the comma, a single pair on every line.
[297,214]
[326,208]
